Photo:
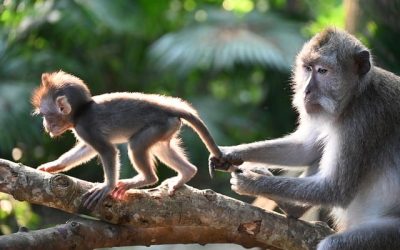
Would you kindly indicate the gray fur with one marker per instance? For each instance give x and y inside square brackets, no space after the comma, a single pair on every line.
[352,127]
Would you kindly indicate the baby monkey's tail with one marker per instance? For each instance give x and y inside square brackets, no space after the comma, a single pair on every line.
[200,128]
[198,125]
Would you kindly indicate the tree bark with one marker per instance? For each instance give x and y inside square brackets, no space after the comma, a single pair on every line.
[353,16]
[150,217]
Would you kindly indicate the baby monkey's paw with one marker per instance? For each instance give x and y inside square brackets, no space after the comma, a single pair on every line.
[174,183]
[96,195]
[122,187]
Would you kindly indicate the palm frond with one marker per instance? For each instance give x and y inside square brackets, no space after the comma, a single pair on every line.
[226,39]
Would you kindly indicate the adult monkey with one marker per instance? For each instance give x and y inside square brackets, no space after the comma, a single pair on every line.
[349,121]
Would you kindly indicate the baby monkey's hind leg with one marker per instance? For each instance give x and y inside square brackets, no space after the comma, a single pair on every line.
[171,153]
[140,154]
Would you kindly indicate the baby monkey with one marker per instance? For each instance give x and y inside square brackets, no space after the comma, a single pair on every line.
[148,123]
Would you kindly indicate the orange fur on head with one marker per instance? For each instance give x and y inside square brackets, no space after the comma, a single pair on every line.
[52,82]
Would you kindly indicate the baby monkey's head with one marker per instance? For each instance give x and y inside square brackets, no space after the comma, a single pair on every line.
[57,99]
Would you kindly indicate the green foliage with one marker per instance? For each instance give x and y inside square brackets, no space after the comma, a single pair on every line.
[327,13]
[108,45]
[230,58]
[218,39]
[16,114]
[15,214]
[380,30]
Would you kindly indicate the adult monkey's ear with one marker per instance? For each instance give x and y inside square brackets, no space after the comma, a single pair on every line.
[63,105]
[362,61]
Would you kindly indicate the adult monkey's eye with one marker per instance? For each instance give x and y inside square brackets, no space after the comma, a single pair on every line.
[322,71]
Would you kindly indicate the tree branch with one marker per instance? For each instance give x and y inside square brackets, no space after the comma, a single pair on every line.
[189,216]
[83,233]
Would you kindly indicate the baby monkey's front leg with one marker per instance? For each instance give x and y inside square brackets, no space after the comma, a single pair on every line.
[75,156]
[52,167]
[109,157]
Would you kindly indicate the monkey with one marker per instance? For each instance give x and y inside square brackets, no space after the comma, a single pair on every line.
[148,123]
[349,123]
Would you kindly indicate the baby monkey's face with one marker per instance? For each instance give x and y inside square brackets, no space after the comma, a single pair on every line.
[55,121]
[54,124]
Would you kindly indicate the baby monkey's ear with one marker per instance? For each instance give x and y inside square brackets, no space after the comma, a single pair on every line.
[45,79]
[63,105]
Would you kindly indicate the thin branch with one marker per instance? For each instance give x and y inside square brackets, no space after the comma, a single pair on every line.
[190,215]
[83,233]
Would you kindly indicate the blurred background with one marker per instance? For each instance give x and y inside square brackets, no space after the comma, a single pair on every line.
[231,59]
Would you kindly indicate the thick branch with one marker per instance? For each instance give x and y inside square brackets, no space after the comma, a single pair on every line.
[191,215]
